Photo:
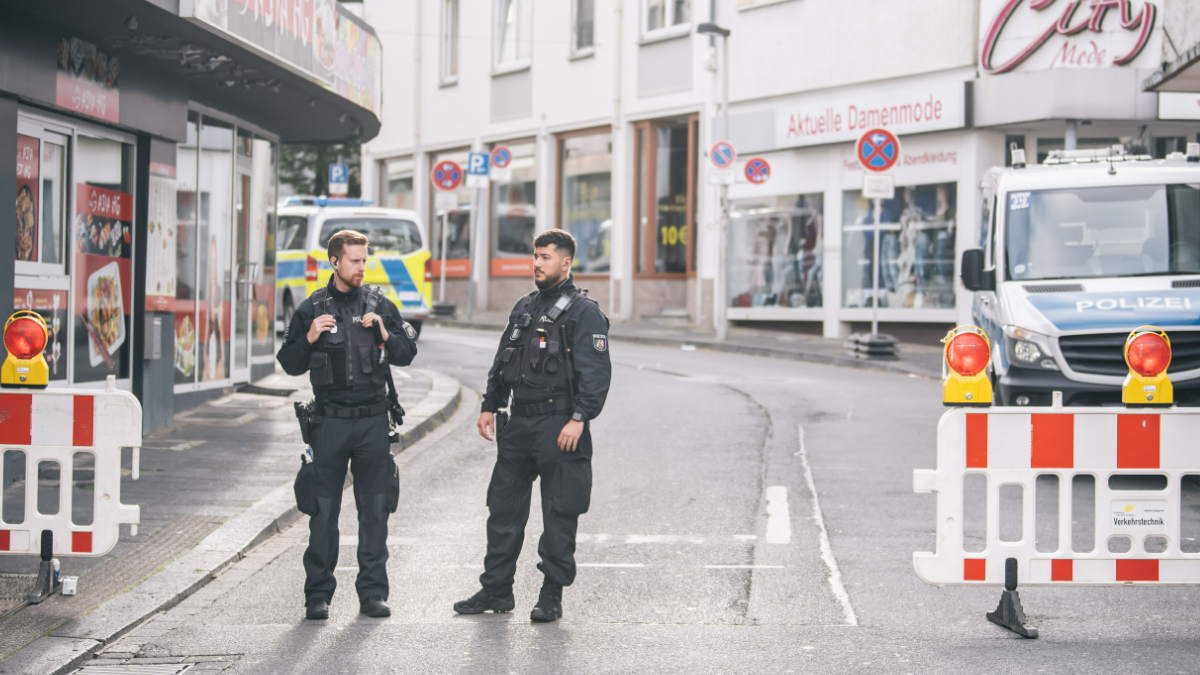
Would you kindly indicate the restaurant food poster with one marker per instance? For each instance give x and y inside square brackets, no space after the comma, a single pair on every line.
[185,341]
[86,80]
[28,176]
[103,282]
[160,244]
[52,305]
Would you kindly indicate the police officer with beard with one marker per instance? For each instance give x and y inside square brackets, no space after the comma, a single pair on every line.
[336,338]
[553,360]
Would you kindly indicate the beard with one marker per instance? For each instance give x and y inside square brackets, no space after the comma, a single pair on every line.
[548,282]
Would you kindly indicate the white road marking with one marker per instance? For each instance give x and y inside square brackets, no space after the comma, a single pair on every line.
[779,523]
[835,574]
[610,565]
[659,538]
[743,567]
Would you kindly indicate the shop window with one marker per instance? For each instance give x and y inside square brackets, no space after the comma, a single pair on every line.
[452,221]
[187,215]
[513,37]
[583,23]
[216,173]
[916,248]
[398,184]
[665,196]
[775,251]
[449,42]
[663,14]
[514,212]
[103,267]
[585,180]
[1165,145]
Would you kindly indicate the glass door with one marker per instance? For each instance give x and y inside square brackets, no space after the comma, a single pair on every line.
[246,273]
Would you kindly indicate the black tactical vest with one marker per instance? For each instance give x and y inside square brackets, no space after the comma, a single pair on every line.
[345,361]
[534,362]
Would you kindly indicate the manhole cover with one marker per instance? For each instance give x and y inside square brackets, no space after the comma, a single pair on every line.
[134,669]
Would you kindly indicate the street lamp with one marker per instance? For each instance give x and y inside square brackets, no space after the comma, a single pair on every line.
[712,30]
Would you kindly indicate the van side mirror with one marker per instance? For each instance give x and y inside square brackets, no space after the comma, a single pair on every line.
[974,277]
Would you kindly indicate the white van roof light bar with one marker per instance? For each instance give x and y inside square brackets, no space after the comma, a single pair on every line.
[1115,153]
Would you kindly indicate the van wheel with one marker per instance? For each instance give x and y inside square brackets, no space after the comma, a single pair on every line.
[288,311]
[417,327]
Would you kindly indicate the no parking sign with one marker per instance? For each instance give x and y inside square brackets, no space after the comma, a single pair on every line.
[758,171]
[447,175]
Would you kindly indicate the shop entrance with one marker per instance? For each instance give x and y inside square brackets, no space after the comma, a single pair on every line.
[246,272]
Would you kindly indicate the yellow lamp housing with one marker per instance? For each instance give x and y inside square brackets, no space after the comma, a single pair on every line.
[1148,355]
[25,337]
[964,368]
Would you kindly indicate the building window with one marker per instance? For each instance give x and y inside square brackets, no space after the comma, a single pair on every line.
[775,251]
[664,14]
[513,38]
[514,212]
[582,26]
[397,184]
[449,42]
[455,219]
[585,202]
[916,248]
[665,203]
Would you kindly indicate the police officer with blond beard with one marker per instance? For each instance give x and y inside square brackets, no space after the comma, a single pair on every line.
[553,360]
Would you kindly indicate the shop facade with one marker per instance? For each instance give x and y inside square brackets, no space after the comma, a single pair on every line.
[146,183]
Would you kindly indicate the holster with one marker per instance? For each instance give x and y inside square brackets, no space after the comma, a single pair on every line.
[304,414]
[501,421]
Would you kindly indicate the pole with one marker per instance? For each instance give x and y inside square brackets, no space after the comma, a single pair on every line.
[475,201]
[723,228]
[442,290]
[875,268]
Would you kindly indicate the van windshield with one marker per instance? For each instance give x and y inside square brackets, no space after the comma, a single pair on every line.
[385,234]
[1125,230]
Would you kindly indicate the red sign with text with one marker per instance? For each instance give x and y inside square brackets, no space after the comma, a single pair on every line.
[86,80]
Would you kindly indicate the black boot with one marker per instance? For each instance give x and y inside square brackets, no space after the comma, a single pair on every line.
[549,604]
[374,606]
[483,601]
[316,608]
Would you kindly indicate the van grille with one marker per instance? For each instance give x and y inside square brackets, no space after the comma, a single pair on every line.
[1185,283]
[1103,353]
[1054,288]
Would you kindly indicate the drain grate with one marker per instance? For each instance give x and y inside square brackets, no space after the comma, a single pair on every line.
[133,669]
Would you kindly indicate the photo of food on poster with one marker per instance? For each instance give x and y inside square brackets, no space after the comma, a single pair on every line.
[103,287]
[28,175]
[103,222]
[185,342]
[160,244]
[52,305]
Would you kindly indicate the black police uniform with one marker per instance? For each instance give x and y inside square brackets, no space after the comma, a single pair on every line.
[532,363]
[351,394]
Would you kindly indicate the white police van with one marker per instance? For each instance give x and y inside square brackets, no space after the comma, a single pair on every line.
[1076,253]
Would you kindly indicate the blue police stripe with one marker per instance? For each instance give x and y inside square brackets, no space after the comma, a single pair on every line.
[287,269]
[1124,310]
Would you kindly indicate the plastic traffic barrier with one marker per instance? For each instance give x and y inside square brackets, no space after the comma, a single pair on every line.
[1152,449]
[43,431]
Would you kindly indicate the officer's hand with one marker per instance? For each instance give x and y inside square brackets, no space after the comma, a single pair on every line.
[486,425]
[320,325]
[568,439]
[370,318]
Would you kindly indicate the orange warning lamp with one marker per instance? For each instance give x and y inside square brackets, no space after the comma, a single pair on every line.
[967,354]
[1147,353]
[25,337]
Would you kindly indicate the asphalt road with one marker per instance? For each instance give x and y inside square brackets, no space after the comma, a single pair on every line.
[702,553]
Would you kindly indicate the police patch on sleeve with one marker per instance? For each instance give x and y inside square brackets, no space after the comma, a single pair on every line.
[600,342]
[410,331]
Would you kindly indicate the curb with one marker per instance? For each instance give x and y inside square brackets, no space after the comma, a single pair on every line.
[733,348]
[73,643]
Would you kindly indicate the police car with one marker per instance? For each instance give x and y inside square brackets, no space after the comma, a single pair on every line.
[1074,254]
[398,264]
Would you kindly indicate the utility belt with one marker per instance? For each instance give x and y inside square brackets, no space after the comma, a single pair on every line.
[356,412]
[551,407]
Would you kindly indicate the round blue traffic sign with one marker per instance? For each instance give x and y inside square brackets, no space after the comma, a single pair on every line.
[501,156]
[878,150]
[447,175]
[758,170]
[722,155]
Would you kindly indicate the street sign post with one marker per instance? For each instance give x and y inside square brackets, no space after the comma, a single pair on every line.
[878,151]
[757,171]
[339,179]
[447,176]
[477,170]
[477,179]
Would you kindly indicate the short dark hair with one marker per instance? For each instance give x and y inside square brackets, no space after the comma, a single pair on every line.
[339,241]
[561,239]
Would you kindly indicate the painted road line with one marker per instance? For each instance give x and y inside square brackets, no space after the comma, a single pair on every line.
[835,574]
[610,565]
[779,523]
[743,567]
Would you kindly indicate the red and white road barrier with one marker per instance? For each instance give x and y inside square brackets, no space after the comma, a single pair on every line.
[46,430]
[1013,446]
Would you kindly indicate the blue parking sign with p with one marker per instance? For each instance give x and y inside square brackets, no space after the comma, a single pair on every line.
[477,164]
[339,173]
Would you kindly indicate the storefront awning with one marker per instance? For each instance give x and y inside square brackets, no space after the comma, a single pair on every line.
[1182,74]
[310,74]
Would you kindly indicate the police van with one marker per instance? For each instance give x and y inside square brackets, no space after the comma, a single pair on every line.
[1074,254]
[398,262]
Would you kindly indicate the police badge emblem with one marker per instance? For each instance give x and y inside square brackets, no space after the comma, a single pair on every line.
[410,331]
[600,342]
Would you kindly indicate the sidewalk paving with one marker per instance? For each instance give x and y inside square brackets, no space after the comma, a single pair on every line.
[914,359]
[213,485]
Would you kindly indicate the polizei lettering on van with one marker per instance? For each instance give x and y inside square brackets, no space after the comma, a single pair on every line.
[1119,310]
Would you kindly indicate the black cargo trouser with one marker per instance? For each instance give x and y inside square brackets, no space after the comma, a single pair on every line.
[363,444]
[527,449]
